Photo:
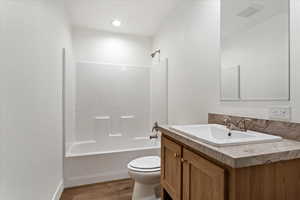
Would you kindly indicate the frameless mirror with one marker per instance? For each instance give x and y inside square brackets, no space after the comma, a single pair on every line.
[255,50]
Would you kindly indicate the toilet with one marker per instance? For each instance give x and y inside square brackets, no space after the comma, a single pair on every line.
[145,172]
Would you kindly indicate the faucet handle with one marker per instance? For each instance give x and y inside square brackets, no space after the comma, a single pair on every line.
[244,124]
[227,120]
[155,127]
[248,122]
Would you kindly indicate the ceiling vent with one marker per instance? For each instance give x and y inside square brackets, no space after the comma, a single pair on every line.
[250,11]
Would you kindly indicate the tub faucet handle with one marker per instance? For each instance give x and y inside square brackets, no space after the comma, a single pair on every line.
[155,127]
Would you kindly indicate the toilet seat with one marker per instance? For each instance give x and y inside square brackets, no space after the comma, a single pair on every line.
[145,172]
[145,164]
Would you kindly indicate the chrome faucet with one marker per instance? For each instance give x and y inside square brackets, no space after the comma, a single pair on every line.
[239,126]
[154,136]
[229,125]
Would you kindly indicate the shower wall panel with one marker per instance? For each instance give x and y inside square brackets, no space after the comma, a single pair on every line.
[112,103]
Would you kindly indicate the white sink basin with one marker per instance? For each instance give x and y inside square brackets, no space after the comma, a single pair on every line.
[218,135]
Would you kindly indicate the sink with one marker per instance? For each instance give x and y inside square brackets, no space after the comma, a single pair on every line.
[218,135]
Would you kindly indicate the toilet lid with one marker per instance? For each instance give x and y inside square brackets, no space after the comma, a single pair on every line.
[150,162]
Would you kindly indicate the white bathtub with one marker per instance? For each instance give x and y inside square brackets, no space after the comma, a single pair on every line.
[89,162]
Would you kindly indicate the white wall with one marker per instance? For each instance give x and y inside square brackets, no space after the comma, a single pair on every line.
[1,108]
[190,39]
[33,33]
[106,47]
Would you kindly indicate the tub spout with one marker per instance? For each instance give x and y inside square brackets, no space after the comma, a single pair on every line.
[153,136]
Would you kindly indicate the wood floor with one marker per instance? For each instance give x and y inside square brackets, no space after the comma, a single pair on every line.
[116,190]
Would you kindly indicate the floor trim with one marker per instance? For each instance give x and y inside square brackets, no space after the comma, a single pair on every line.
[59,191]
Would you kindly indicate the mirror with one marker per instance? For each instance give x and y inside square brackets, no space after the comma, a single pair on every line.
[255,50]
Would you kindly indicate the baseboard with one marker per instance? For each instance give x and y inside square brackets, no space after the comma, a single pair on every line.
[59,191]
[96,178]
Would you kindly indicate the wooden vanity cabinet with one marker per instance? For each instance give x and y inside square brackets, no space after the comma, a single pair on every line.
[187,176]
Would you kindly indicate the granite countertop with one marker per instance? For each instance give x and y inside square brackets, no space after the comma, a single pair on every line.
[242,155]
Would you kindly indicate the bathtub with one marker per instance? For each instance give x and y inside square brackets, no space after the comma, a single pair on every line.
[90,162]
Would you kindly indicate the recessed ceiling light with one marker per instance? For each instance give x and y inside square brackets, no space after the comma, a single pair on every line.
[116,23]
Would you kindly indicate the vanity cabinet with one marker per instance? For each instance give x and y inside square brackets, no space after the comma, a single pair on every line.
[187,176]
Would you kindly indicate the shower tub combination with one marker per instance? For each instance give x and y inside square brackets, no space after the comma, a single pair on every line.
[115,107]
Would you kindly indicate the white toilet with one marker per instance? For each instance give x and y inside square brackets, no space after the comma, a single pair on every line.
[145,172]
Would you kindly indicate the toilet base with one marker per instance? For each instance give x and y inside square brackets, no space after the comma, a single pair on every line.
[144,192]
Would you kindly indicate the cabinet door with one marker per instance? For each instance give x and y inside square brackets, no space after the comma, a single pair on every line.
[202,180]
[171,168]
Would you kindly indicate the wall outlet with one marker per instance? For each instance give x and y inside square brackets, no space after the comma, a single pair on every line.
[282,113]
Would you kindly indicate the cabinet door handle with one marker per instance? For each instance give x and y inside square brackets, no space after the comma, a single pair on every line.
[176,155]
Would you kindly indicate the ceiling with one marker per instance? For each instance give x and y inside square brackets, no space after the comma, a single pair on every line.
[138,17]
